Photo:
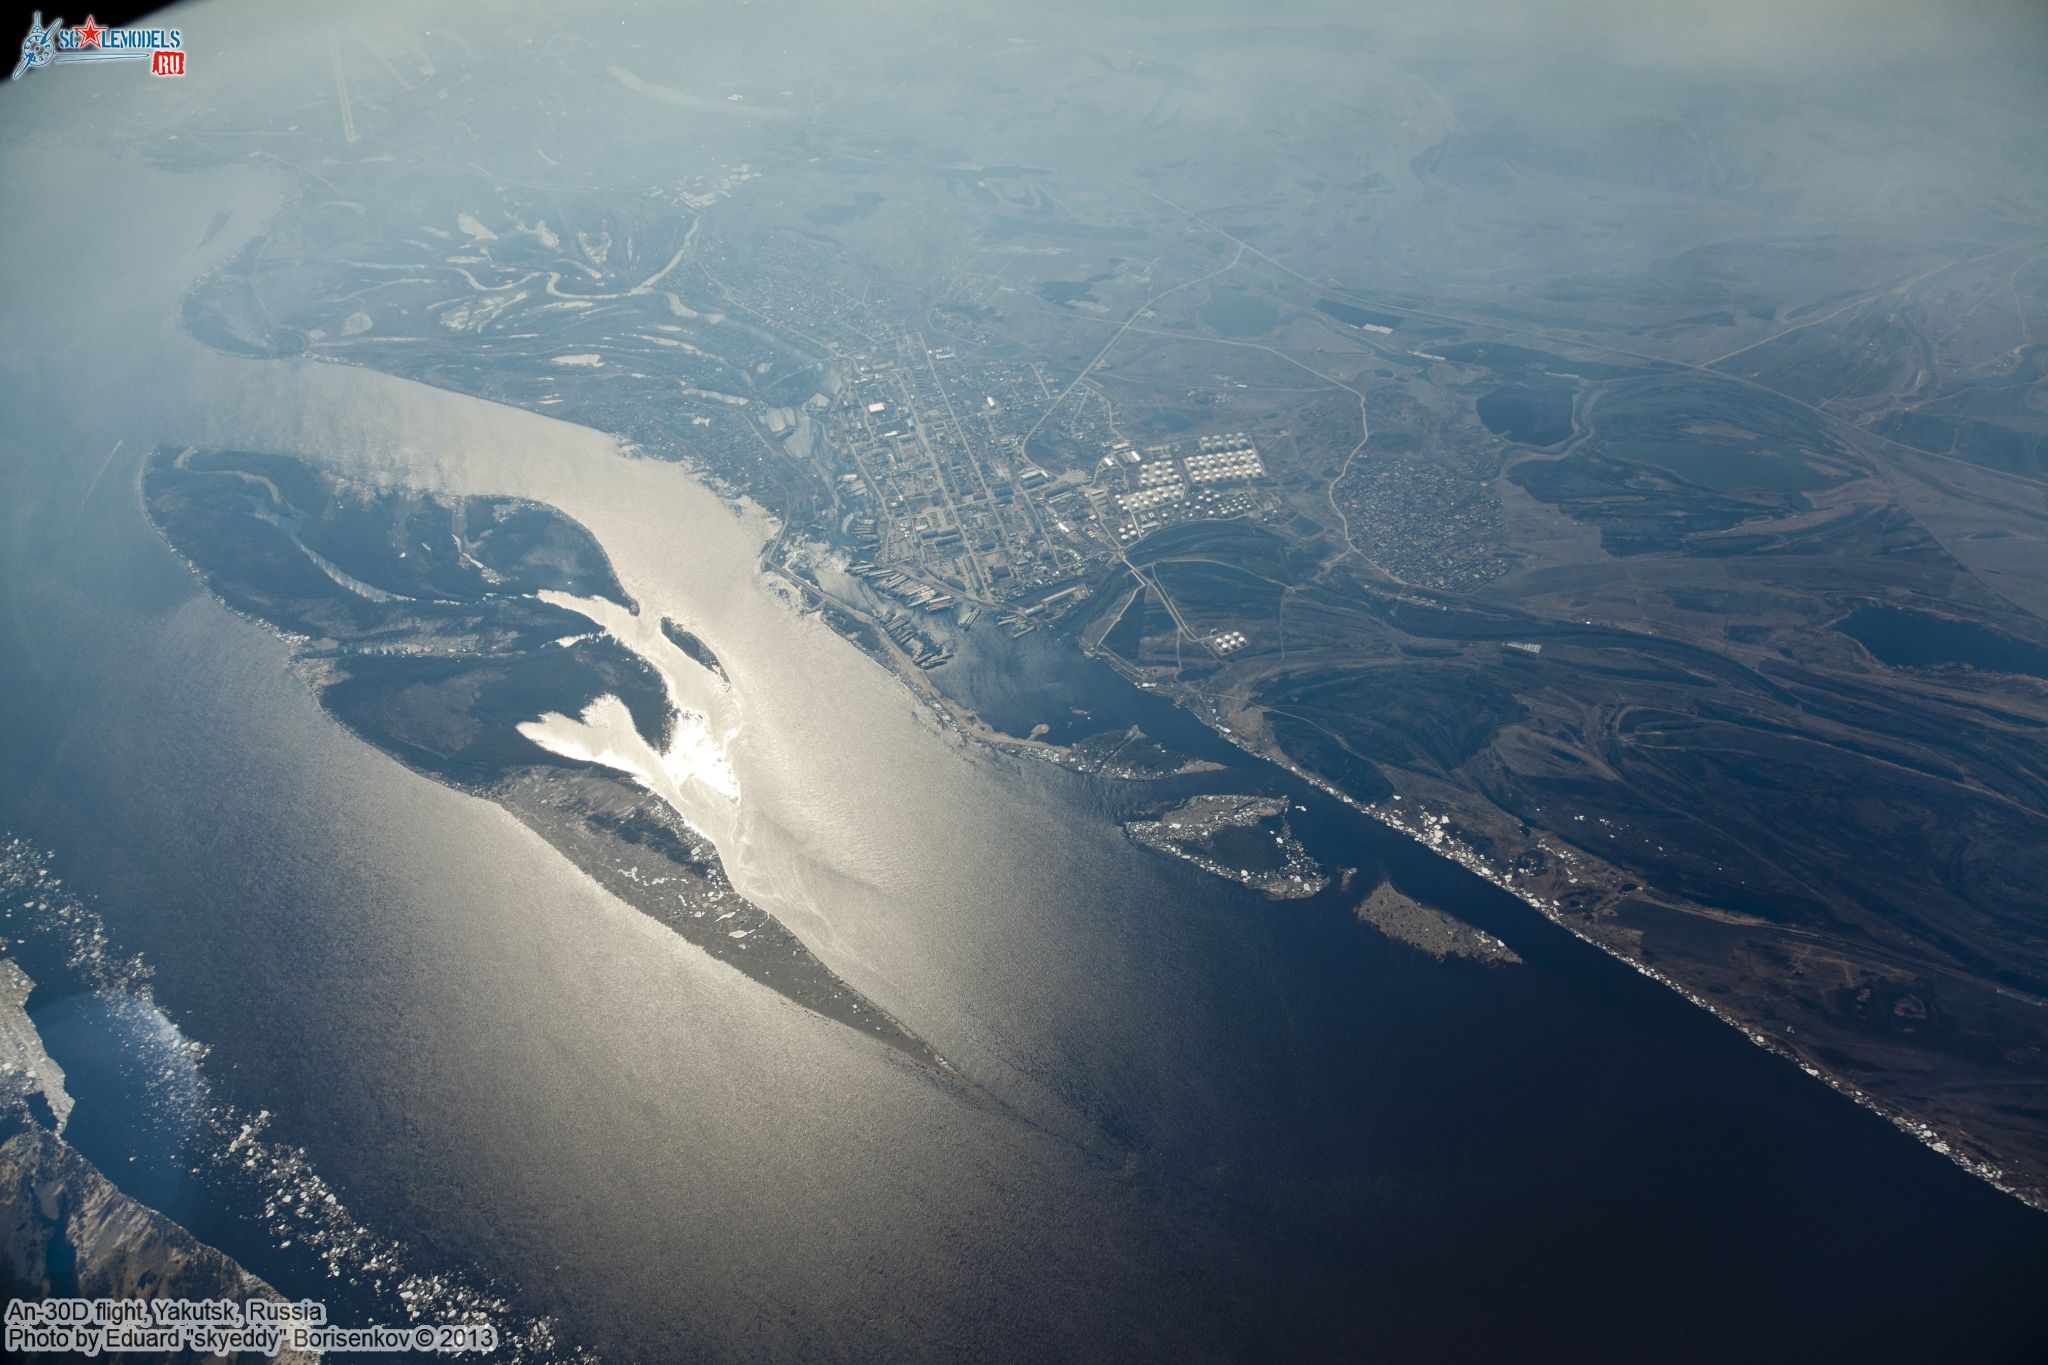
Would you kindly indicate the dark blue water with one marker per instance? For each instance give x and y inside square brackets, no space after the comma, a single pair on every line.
[1560,1160]
[139,1096]
[145,1115]
[1044,679]
[1918,639]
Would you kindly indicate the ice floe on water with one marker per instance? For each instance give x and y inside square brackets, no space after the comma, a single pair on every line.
[267,1188]
[693,773]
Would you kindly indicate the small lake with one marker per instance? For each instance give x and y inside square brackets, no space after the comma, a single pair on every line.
[1918,639]
[1235,313]
[1725,468]
[1536,415]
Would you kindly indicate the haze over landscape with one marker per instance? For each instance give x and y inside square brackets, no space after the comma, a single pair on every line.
[779,680]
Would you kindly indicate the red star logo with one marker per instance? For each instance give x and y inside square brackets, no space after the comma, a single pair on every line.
[88,33]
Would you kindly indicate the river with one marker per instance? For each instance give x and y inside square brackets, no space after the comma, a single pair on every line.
[1195,1122]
